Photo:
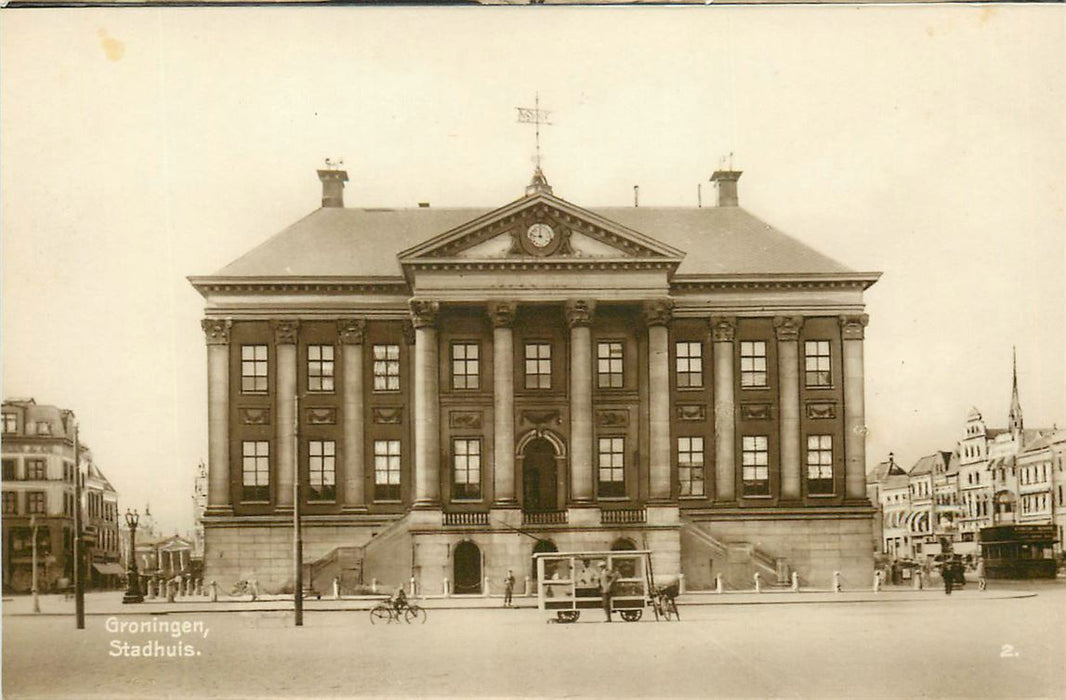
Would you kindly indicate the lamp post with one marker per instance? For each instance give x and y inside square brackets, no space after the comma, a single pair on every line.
[133,586]
[36,599]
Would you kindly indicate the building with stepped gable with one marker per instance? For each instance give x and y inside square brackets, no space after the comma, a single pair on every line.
[457,389]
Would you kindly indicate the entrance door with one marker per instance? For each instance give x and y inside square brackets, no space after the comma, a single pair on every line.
[467,568]
[538,476]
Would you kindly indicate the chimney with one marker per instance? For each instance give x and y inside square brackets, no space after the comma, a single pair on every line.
[727,187]
[333,187]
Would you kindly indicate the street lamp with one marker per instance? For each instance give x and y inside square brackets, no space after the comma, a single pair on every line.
[133,587]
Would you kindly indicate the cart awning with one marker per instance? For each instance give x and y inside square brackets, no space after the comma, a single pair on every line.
[109,569]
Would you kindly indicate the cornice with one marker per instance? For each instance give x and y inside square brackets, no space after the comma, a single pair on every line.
[700,283]
[299,284]
[541,264]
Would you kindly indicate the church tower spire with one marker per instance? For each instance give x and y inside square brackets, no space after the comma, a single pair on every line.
[1015,416]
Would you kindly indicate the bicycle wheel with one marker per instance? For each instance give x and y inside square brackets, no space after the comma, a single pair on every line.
[415,614]
[380,613]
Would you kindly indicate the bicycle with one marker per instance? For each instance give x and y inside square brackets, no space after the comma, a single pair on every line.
[663,603]
[387,613]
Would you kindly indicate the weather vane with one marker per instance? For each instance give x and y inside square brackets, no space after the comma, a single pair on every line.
[535,116]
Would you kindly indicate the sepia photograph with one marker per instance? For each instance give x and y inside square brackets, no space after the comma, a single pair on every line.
[393,351]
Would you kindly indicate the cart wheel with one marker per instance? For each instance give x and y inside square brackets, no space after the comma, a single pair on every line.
[415,614]
[380,613]
[568,615]
[630,615]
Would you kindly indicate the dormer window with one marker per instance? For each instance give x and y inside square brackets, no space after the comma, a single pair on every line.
[11,423]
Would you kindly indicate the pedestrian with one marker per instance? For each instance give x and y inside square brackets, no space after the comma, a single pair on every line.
[947,572]
[981,582]
[508,588]
[607,579]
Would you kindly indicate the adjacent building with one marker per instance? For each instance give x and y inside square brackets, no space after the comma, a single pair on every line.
[449,391]
[39,471]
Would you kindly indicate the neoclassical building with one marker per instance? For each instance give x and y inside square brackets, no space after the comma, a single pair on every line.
[456,389]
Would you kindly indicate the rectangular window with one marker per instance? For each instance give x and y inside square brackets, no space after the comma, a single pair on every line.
[816,359]
[689,364]
[44,427]
[466,463]
[10,423]
[11,503]
[820,465]
[609,365]
[753,363]
[612,472]
[538,366]
[322,470]
[36,470]
[253,369]
[466,372]
[320,368]
[690,465]
[755,465]
[386,470]
[9,470]
[386,367]
[255,471]
[35,502]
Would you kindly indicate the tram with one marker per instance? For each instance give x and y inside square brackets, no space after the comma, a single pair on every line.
[1019,551]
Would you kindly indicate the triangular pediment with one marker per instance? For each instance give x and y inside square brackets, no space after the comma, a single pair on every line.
[541,227]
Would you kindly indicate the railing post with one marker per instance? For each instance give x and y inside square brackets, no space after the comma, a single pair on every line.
[795,581]
[214,591]
[412,594]
[336,588]
[836,582]
[485,590]
[758,582]
[680,584]
[718,583]
[529,589]
[447,589]
[373,585]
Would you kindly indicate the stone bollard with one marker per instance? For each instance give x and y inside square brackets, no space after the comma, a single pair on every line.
[447,588]
[255,590]
[336,588]
[172,591]
[373,585]
[412,593]
[836,582]
[877,581]
[485,589]
[149,589]
[917,579]
[718,583]
[183,588]
[758,582]
[529,587]
[680,584]
[795,581]
[199,586]
[214,592]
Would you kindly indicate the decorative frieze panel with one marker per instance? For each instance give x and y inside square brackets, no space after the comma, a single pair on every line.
[254,416]
[387,415]
[690,412]
[464,420]
[821,411]
[612,418]
[321,416]
[756,411]
[542,417]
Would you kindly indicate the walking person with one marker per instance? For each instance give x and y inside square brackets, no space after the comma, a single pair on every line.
[982,584]
[947,572]
[606,581]
[508,588]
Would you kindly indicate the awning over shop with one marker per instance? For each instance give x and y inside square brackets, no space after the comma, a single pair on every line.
[109,569]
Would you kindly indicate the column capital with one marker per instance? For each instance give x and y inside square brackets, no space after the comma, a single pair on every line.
[853,327]
[351,330]
[216,330]
[285,331]
[424,312]
[658,312]
[788,328]
[502,313]
[723,328]
[579,312]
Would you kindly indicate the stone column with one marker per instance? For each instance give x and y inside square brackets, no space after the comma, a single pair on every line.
[579,317]
[788,330]
[351,333]
[426,400]
[503,476]
[852,333]
[285,335]
[723,333]
[657,317]
[217,333]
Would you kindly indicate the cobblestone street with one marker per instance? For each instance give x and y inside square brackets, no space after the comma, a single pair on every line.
[962,646]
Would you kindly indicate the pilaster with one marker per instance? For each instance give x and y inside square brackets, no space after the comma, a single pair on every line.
[657,316]
[579,317]
[286,333]
[723,334]
[503,314]
[852,332]
[217,336]
[352,332]
[788,329]
[427,405]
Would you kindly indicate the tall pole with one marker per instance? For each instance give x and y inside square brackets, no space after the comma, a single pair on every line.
[298,542]
[79,584]
[36,600]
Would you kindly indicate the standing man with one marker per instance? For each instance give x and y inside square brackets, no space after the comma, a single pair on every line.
[508,588]
[607,579]
[981,582]
[947,572]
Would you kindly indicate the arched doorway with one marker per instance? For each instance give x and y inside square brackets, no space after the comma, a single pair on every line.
[467,567]
[623,544]
[540,547]
[539,486]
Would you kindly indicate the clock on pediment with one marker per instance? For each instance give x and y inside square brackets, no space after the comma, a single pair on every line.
[541,237]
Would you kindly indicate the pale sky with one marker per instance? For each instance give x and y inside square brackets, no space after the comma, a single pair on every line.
[140,146]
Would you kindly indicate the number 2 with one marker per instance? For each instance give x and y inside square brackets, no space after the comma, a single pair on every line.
[1007,652]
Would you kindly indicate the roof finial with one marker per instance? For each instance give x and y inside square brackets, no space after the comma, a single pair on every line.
[535,116]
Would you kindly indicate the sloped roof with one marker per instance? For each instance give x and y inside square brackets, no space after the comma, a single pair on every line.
[343,242]
[923,466]
[883,471]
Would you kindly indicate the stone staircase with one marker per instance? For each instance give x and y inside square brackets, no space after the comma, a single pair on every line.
[736,562]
